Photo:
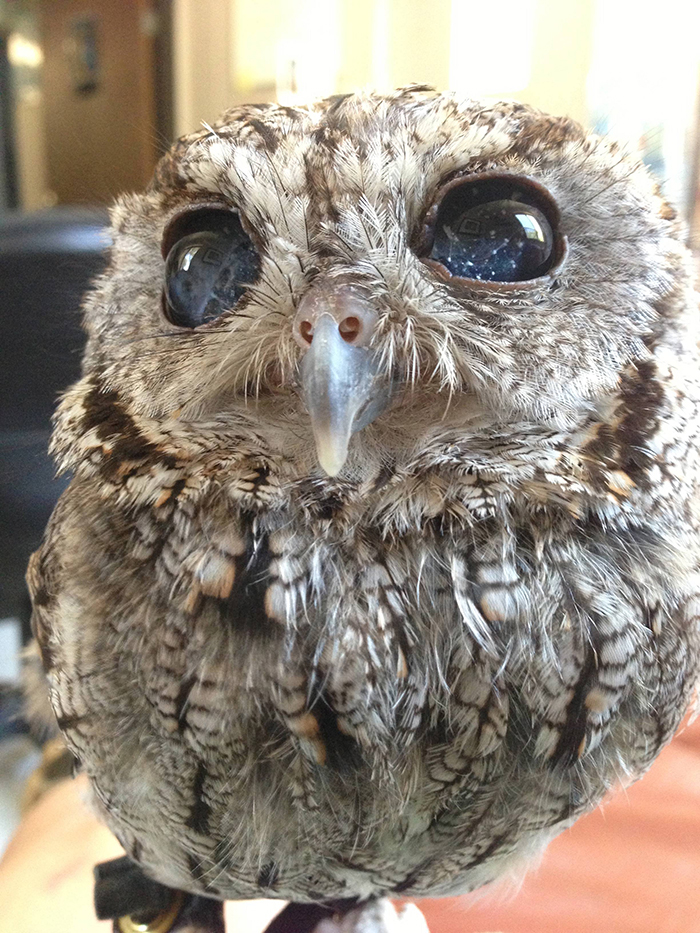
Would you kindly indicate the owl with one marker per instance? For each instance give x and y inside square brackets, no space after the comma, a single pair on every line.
[380,561]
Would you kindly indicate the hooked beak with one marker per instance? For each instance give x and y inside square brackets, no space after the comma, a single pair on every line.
[342,385]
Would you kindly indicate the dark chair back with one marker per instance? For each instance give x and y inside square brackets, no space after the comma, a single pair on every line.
[47,261]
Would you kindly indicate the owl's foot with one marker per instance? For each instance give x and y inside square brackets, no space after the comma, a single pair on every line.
[123,893]
[378,916]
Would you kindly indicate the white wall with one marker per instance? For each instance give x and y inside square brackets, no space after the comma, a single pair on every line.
[627,63]
[229,51]
[202,61]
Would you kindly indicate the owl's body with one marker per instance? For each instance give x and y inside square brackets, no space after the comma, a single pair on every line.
[404,677]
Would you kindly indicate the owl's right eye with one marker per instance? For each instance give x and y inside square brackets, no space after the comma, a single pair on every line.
[210,261]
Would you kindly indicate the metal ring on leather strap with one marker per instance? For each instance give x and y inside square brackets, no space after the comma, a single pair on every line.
[161,923]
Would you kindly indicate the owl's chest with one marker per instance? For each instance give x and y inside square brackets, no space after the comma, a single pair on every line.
[275,577]
[266,613]
[278,584]
[256,654]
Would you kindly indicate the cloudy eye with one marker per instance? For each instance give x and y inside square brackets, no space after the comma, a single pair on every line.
[501,229]
[210,260]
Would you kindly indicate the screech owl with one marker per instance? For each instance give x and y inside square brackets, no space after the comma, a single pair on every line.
[380,560]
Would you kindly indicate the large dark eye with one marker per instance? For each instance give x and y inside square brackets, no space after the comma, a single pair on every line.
[210,261]
[496,230]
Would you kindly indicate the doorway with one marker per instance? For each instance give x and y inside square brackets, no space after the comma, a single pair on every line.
[107,94]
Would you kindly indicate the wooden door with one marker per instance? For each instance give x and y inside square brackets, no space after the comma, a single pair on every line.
[99,87]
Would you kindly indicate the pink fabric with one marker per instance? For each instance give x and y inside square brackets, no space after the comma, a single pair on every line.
[632,867]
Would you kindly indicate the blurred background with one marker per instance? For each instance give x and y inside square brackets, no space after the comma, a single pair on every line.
[93,91]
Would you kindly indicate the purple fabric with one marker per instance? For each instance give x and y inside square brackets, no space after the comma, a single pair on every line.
[302,918]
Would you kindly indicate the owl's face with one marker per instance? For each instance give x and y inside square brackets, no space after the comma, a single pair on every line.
[354,282]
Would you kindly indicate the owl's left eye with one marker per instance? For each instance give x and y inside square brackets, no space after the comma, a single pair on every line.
[495,229]
[210,260]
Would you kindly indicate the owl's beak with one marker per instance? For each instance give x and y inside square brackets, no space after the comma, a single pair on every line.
[342,386]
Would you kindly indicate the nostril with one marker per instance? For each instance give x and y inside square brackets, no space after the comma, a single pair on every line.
[349,316]
[349,328]
[306,330]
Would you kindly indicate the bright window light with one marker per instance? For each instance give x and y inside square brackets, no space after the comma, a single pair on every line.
[23,52]
[491,47]
[308,50]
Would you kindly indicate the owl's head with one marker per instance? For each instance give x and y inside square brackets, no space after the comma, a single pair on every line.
[369,276]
